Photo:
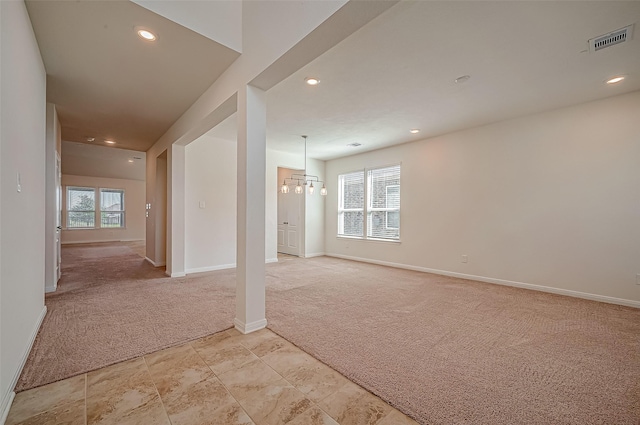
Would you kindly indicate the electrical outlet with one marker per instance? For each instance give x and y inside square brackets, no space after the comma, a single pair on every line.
[465,259]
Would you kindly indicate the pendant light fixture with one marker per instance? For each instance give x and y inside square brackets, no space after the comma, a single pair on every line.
[303,179]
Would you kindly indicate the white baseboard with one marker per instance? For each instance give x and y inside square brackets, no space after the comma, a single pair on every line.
[559,291]
[154,264]
[48,290]
[314,254]
[176,274]
[246,328]
[6,406]
[222,267]
[100,241]
[7,398]
[210,268]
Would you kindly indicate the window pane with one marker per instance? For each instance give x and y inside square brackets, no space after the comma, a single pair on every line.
[81,207]
[352,190]
[111,200]
[112,219]
[111,208]
[81,219]
[383,206]
[352,222]
[393,220]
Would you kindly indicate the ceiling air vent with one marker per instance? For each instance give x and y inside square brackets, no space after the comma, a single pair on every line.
[354,145]
[607,40]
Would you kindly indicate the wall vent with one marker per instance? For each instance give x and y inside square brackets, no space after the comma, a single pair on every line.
[615,37]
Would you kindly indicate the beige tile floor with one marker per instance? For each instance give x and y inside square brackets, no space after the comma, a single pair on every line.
[226,378]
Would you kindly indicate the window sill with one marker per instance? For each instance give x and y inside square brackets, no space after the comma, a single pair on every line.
[358,238]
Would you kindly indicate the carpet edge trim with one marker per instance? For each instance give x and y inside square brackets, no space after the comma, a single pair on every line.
[7,399]
[127,358]
[531,286]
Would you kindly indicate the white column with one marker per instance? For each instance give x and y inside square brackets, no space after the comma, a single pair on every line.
[250,291]
[175,210]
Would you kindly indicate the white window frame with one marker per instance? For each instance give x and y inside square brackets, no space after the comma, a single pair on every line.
[68,210]
[121,211]
[366,210]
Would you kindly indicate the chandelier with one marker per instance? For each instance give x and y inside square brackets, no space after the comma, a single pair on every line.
[303,179]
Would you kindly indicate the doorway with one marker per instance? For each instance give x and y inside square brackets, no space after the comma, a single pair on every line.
[290,217]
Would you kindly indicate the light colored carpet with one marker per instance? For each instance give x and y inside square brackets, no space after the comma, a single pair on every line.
[443,350]
[453,351]
[111,305]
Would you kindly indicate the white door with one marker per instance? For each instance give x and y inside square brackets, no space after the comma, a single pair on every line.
[58,217]
[288,223]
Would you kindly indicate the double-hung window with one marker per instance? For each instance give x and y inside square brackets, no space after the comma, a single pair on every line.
[383,203]
[381,191]
[81,207]
[111,208]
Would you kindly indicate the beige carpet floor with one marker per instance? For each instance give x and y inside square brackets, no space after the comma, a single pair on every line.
[443,350]
[453,351]
[111,305]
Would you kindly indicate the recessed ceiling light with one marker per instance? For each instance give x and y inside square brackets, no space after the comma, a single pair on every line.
[312,81]
[146,34]
[91,139]
[110,142]
[131,160]
[462,79]
[615,79]
[414,130]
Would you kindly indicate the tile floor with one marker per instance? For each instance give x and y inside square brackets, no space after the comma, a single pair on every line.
[226,378]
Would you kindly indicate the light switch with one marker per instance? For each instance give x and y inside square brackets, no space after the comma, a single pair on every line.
[19,184]
[202,204]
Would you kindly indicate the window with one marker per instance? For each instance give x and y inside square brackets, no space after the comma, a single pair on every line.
[382,212]
[351,204]
[383,203]
[84,210]
[81,207]
[111,208]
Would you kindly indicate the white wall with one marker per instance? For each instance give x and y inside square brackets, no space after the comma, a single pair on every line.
[134,200]
[22,222]
[549,199]
[210,230]
[314,212]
